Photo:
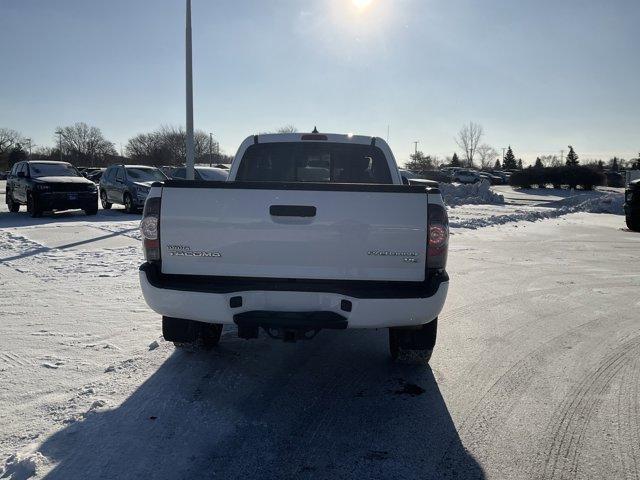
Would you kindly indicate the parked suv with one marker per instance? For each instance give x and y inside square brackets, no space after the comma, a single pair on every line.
[466,176]
[47,186]
[632,205]
[128,185]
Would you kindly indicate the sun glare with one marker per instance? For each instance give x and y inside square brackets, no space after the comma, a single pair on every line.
[361,4]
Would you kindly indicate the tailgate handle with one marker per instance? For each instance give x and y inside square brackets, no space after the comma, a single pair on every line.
[292,211]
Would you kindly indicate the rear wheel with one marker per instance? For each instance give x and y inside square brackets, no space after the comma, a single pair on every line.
[13,206]
[633,223]
[413,345]
[91,211]
[32,206]
[103,199]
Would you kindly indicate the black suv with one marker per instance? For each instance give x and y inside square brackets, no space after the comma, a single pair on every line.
[46,186]
[632,205]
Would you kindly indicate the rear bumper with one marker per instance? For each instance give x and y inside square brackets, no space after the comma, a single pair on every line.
[195,298]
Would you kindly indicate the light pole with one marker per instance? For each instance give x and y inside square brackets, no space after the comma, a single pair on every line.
[59,132]
[210,149]
[28,140]
[189,82]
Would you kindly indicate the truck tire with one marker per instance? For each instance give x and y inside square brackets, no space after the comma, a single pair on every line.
[13,207]
[103,199]
[190,334]
[32,206]
[633,223]
[128,203]
[413,345]
[91,211]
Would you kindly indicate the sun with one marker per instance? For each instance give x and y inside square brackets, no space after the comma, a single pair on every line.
[361,4]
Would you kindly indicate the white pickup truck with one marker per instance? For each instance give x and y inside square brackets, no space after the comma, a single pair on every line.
[309,232]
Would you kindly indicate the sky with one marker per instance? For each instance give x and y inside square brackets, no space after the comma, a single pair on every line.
[537,75]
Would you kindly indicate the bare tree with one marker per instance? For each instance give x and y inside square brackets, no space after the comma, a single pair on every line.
[468,140]
[287,129]
[550,160]
[83,143]
[487,155]
[8,139]
[167,146]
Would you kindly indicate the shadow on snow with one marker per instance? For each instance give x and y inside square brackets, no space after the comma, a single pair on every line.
[335,407]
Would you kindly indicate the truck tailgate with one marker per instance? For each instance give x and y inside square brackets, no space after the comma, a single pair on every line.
[294,231]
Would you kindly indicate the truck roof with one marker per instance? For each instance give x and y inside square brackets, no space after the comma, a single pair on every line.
[312,137]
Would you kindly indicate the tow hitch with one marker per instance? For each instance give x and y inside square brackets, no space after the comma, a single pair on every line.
[287,326]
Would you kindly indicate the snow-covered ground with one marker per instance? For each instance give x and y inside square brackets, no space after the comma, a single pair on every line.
[536,371]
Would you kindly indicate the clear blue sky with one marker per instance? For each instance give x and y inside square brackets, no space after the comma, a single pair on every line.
[538,75]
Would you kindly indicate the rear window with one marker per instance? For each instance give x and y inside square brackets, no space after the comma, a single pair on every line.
[314,162]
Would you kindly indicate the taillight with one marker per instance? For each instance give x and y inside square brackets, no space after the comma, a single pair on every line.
[150,229]
[437,237]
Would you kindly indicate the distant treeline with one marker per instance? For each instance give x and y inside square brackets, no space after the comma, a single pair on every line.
[84,145]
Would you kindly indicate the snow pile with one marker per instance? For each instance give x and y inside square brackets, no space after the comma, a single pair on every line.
[593,202]
[476,193]
[608,203]
[21,466]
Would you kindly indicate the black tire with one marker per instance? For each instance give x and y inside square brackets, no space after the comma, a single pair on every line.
[413,345]
[103,200]
[128,203]
[13,206]
[32,206]
[633,223]
[91,211]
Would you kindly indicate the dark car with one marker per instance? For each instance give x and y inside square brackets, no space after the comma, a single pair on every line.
[47,186]
[95,175]
[207,174]
[128,185]
[632,205]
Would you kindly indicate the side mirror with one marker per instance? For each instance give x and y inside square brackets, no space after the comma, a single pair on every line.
[405,180]
[21,175]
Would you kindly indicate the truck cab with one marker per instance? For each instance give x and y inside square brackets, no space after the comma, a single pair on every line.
[310,232]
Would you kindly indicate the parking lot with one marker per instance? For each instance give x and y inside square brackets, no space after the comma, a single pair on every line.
[535,374]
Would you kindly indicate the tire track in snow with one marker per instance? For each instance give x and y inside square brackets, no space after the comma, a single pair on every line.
[13,360]
[627,409]
[575,414]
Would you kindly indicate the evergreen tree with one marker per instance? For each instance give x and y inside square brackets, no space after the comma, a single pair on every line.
[614,164]
[497,166]
[419,162]
[538,163]
[600,165]
[509,161]
[455,161]
[519,164]
[572,158]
